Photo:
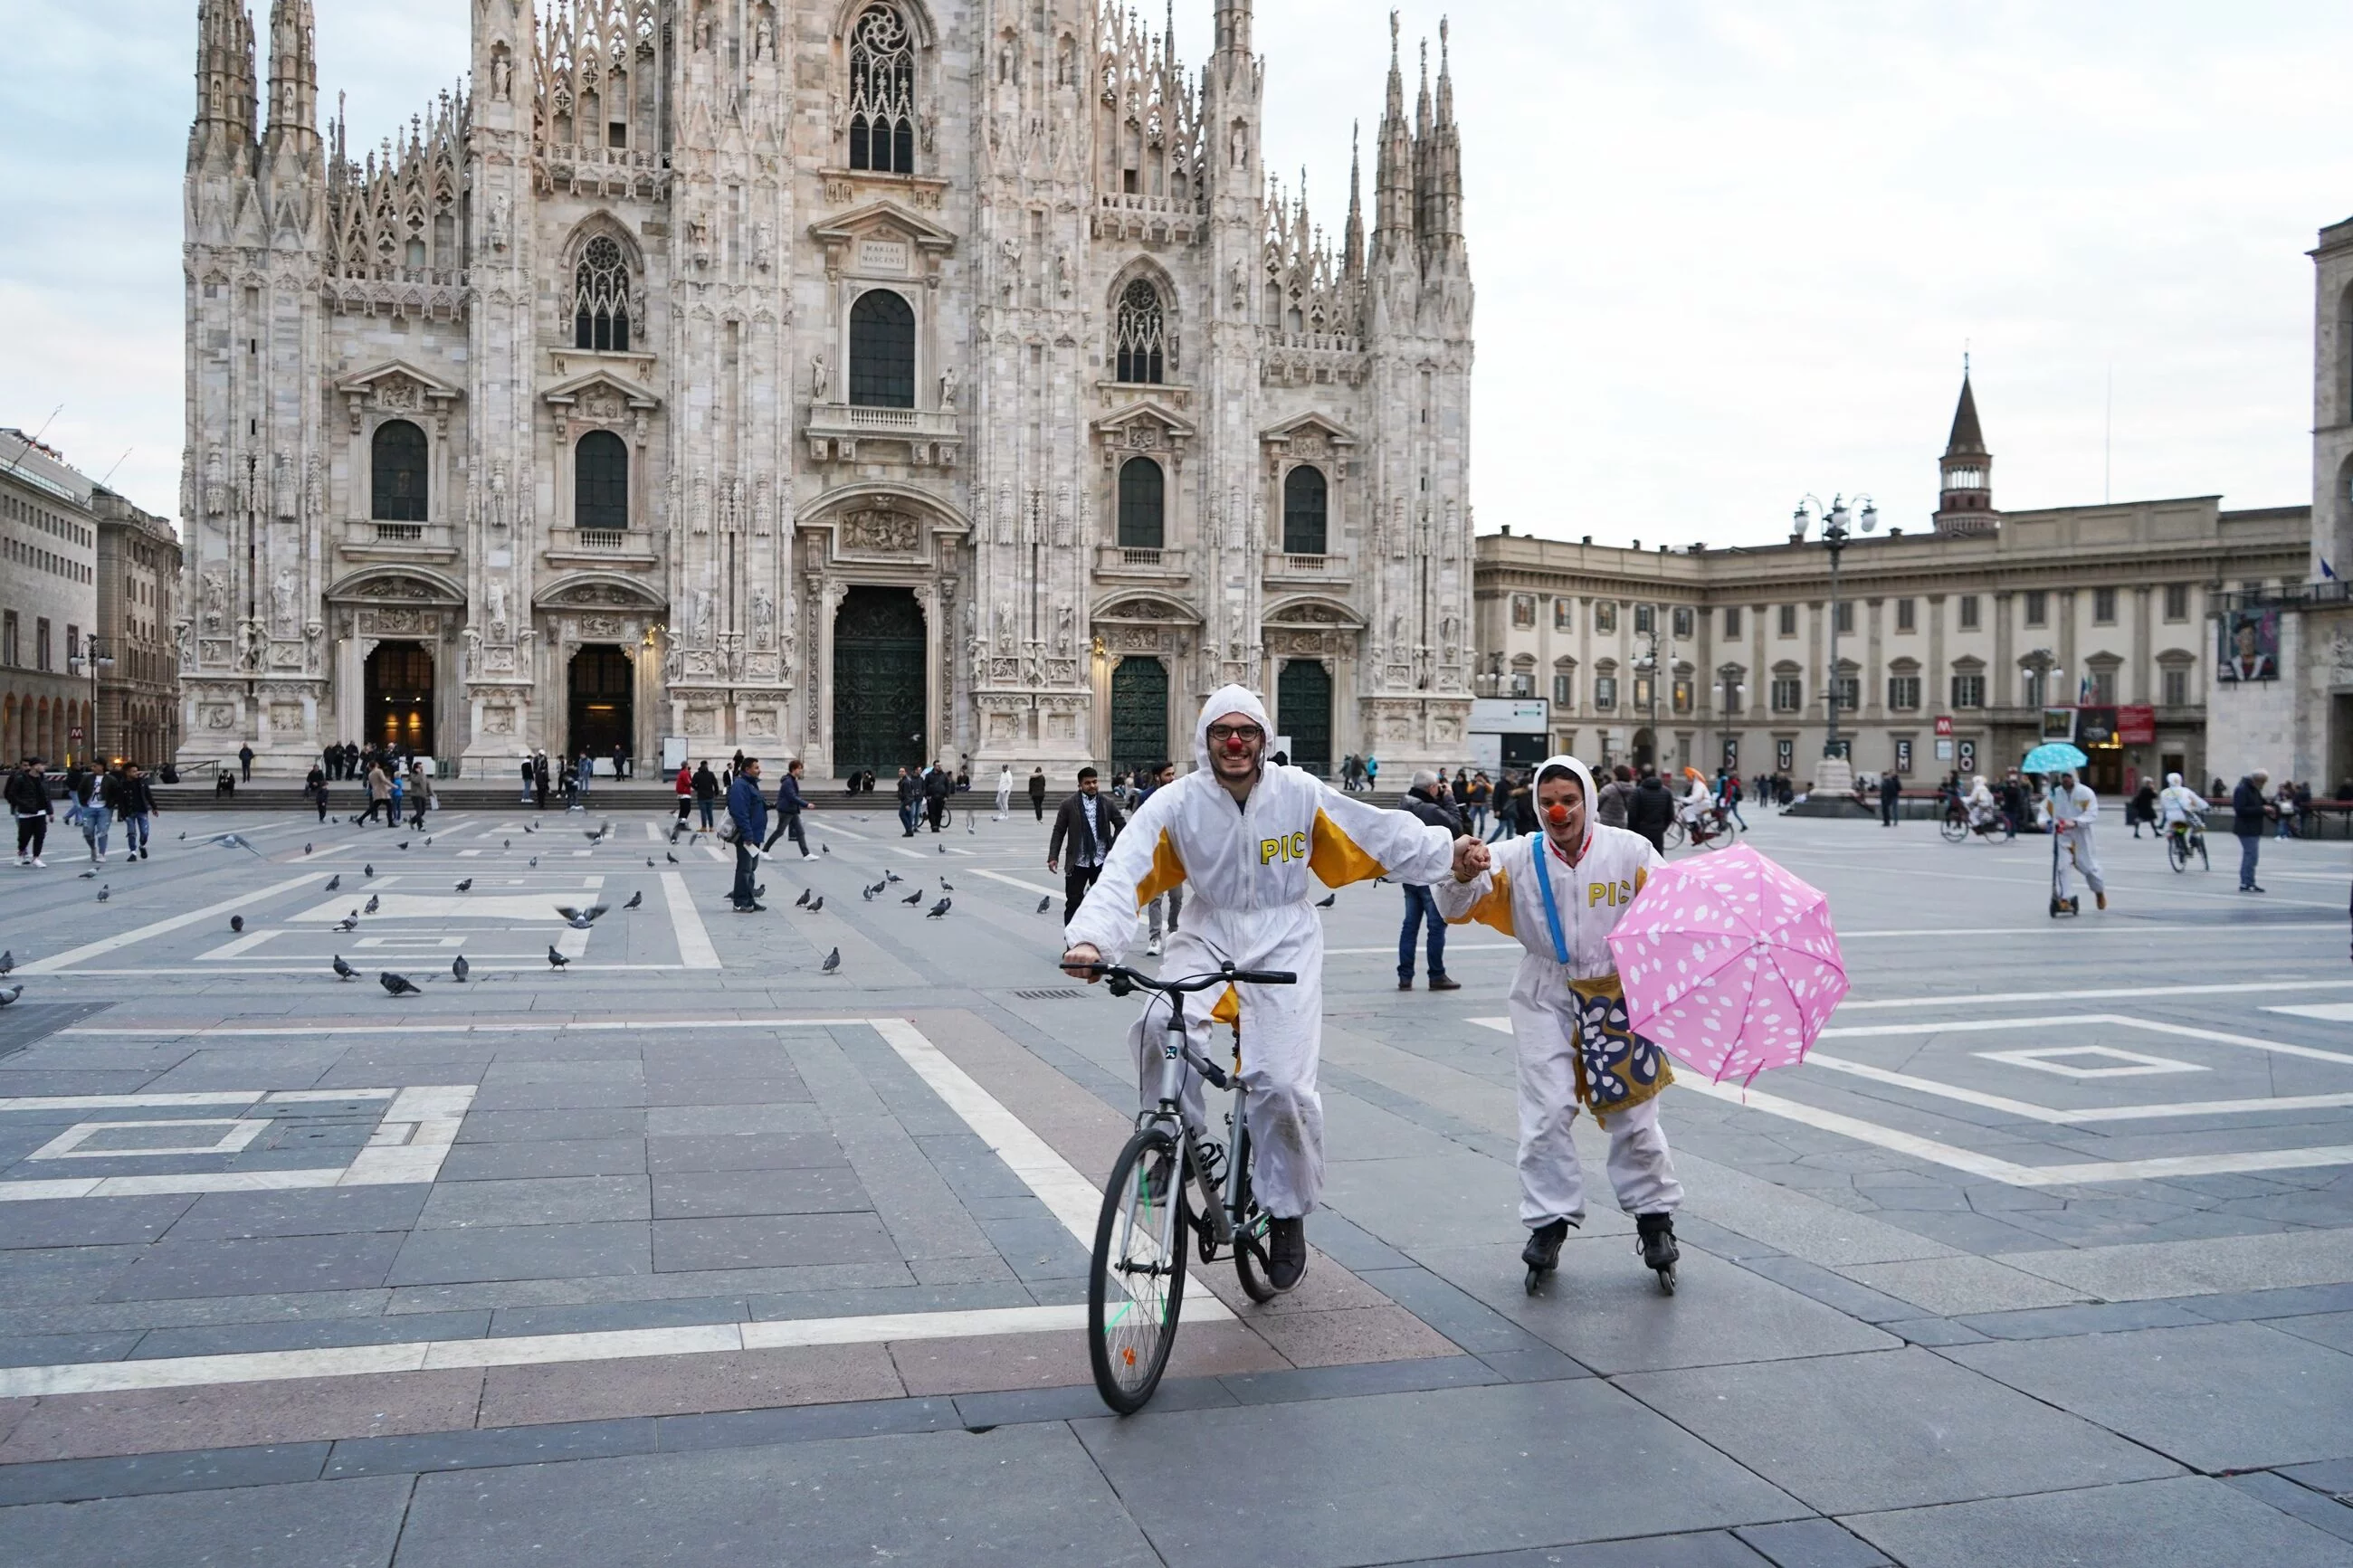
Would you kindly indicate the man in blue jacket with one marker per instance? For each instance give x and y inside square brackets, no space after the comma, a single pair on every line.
[749,813]
[790,803]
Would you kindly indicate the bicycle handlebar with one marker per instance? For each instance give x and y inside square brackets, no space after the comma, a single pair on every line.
[1226,974]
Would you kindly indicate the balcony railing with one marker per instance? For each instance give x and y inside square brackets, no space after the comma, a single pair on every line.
[1138,559]
[1293,564]
[400,534]
[603,539]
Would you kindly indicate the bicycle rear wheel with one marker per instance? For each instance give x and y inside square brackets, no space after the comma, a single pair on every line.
[1138,1277]
[1675,834]
[2177,853]
[1954,828]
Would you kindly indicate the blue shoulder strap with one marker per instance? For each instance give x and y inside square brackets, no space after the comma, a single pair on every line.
[1544,886]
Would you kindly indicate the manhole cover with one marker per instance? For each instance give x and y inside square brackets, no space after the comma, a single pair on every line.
[1058,994]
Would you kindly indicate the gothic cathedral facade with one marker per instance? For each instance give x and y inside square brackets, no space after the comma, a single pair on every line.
[869,380]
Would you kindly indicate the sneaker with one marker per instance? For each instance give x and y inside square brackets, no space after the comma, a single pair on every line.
[807,855]
[1543,1250]
[1406,984]
[1656,1232]
[1151,948]
[2250,888]
[2101,899]
[39,861]
[1440,982]
[23,859]
[751,909]
[1286,1252]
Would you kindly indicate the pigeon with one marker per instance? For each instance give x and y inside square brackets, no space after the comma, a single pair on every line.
[636,899]
[334,882]
[824,849]
[889,875]
[832,962]
[404,844]
[183,838]
[368,869]
[535,862]
[231,841]
[936,910]
[306,849]
[581,920]
[398,984]
[946,885]
[8,962]
[943,849]
[459,969]
[349,922]
[669,856]
[914,898]
[596,836]
[530,827]
[15,991]
[467,886]
[816,904]
[429,841]
[802,902]
[649,862]
[89,876]
[372,905]
[237,923]
[506,843]
[554,959]
[101,895]
[867,894]
[1043,904]
[344,971]
[1327,900]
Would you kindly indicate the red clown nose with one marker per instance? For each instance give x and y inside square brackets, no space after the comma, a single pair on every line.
[1234,745]
[1557,814]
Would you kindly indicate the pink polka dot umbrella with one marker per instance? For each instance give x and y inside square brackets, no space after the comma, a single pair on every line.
[1730,963]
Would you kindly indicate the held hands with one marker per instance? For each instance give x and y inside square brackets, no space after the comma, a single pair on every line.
[1469,857]
[1080,955]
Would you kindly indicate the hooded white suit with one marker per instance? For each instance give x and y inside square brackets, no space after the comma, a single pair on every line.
[1248,865]
[1568,1014]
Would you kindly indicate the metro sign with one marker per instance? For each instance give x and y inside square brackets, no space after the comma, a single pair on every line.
[1944,726]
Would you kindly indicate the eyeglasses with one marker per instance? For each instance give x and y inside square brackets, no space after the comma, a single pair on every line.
[1220,734]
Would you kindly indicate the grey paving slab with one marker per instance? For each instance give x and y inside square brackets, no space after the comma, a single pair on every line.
[599,1317]
[1892,1429]
[86,1222]
[2190,1522]
[2334,1477]
[1715,1549]
[53,1350]
[2191,1268]
[138,1475]
[1026,1497]
[1603,1308]
[1812,1543]
[2334,1329]
[1445,1473]
[545,1158]
[327,1211]
[312,1524]
[804,1424]
[523,1252]
[2324,1513]
[729,1120]
[2289,1301]
[750,1152]
[758,1241]
[545,1444]
[543,1200]
[544,1126]
[59,1275]
[245,1266]
[237,1339]
[2215,1397]
[703,1195]
[1957,1286]
[2096,1317]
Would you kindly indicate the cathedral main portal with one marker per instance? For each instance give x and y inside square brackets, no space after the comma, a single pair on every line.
[878,689]
[602,714]
[399,696]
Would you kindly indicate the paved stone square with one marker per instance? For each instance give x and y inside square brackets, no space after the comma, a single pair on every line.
[687,1251]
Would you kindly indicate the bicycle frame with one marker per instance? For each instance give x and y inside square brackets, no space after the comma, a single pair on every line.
[1226,1195]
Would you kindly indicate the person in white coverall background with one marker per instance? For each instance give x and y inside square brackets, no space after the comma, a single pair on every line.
[1559,892]
[2074,808]
[1246,834]
[2178,804]
[1004,791]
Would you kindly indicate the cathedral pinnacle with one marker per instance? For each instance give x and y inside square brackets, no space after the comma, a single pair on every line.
[293,75]
[225,84]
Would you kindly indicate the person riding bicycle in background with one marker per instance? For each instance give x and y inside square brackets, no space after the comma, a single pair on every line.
[1558,893]
[1245,835]
[2178,806]
[1982,807]
[1697,803]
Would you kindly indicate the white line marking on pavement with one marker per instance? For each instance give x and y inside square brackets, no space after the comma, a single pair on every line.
[2326,1012]
[653,831]
[1033,886]
[1067,1195]
[694,948]
[535,1026]
[716,853]
[2070,1118]
[130,938]
[528,1350]
[2076,1020]
[2131,993]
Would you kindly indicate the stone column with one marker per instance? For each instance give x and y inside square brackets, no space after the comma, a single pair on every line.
[2005,656]
[2141,655]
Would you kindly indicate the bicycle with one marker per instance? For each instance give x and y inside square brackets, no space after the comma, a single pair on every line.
[1135,1283]
[1714,830]
[2183,839]
[1958,825]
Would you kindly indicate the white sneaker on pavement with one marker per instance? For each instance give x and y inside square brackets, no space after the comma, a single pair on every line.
[1151,948]
[39,861]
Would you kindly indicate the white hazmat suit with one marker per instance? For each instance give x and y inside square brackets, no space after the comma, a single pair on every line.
[2074,809]
[1252,903]
[1568,1012]
[2178,802]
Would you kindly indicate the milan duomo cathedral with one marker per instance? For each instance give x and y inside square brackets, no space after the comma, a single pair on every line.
[866,381]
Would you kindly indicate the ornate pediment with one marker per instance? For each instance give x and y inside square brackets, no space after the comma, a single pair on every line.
[1138,610]
[598,591]
[404,585]
[396,388]
[1310,435]
[1144,426]
[882,238]
[601,396]
[875,523]
[1323,614]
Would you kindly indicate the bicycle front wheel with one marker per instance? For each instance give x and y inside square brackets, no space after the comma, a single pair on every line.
[1674,836]
[2177,853]
[1137,1278]
[1954,829]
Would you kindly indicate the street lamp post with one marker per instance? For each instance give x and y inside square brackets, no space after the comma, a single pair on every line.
[1837,774]
[94,658]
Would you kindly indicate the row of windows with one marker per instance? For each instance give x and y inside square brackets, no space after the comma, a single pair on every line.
[1144,515]
[49,561]
[2035,609]
[12,653]
[18,509]
[600,476]
[1787,692]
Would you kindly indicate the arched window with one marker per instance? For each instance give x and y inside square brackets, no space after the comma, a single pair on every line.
[881,92]
[1305,493]
[1143,330]
[397,472]
[883,351]
[1142,504]
[600,482]
[601,298]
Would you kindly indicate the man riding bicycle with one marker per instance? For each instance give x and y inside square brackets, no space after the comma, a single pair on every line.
[2179,807]
[1244,835]
[1982,807]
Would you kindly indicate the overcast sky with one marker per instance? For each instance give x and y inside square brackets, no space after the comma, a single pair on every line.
[1726,253]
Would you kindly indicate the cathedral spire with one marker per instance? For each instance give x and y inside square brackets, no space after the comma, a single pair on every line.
[293,75]
[1446,157]
[1393,167]
[1352,260]
[224,106]
[1425,143]
[1233,32]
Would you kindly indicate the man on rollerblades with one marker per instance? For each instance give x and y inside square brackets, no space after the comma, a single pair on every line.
[1245,833]
[1559,892]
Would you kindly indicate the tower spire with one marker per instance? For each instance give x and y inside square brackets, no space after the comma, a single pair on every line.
[1233,29]
[293,75]
[225,108]
[1393,165]
[1965,473]
[1352,260]
[1424,145]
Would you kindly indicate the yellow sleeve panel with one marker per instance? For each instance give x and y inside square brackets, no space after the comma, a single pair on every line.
[1641,875]
[1228,1010]
[1494,907]
[1166,871]
[1335,858]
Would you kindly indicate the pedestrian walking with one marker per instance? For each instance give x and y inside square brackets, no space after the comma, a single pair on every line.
[1172,900]
[27,794]
[790,803]
[937,782]
[1651,808]
[1004,791]
[379,792]
[706,795]
[138,811]
[100,794]
[539,781]
[683,787]
[527,776]
[1891,797]
[910,796]
[1729,801]
[420,793]
[1038,793]
[1427,799]
[315,786]
[747,819]
[2249,810]
[1372,773]
[1476,798]
[1089,822]
[2143,808]
[2074,809]
[1609,807]
[244,762]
